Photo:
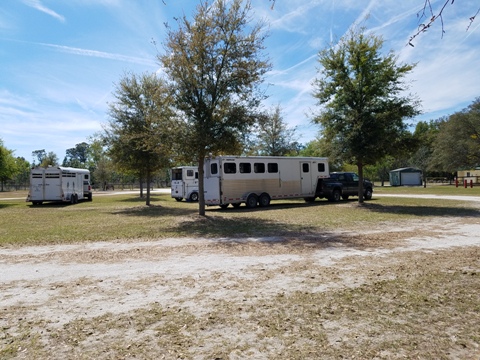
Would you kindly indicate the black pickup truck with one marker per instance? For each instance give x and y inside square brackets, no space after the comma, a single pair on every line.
[342,185]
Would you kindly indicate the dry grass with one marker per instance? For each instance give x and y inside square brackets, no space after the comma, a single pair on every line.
[283,294]
[404,305]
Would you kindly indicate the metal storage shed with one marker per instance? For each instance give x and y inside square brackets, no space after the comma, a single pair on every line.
[406,177]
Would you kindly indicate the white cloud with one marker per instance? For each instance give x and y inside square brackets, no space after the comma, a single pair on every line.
[100,54]
[36,4]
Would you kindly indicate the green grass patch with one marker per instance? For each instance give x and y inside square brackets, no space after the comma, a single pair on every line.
[126,216]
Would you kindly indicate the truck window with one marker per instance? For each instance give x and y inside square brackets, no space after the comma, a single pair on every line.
[230,168]
[272,167]
[245,168]
[259,168]
[321,167]
[190,173]
[305,167]
[355,177]
[214,168]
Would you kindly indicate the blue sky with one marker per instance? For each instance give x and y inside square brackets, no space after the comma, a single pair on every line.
[60,60]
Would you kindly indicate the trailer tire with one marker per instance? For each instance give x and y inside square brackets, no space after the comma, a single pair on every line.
[252,201]
[224,206]
[194,196]
[264,200]
[236,205]
[178,199]
[310,199]
[345,197]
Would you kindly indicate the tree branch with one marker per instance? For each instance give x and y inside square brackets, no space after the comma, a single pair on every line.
[422,14]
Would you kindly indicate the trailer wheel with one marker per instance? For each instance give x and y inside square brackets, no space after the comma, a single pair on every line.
[224,206]
[178,199]
[252,201]
[194,196]
[264,200]
[310,199]
[236,205]
[345,197]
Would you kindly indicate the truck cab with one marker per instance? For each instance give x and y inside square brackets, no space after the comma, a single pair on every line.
[342,185]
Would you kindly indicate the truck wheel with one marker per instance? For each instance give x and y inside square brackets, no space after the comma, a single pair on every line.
[264,200]
[252,201]
[336,195]
[194,196]
[368,194]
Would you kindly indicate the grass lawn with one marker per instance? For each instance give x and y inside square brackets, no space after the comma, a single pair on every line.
[126,216]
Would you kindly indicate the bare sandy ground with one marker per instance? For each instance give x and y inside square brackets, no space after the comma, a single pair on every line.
[60,284]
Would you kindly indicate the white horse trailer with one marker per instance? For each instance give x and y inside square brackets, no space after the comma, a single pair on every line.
[255,180]
[185,183]
[59,183]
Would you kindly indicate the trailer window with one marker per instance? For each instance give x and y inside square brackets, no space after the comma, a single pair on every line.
[230,168]
[196,174]
[321,167]
[176,174]
[245,168]
[259,168]
[213,168]
[305,167]
[190,173]
[272,167]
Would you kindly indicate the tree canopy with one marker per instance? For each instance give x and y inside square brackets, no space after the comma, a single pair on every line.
[273,137]
[362,100]
[457,144]
[216,66]
[141,129]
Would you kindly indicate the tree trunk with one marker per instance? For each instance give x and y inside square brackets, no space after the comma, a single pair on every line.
[360,181]
[201,188]
[147,202]
[141,188]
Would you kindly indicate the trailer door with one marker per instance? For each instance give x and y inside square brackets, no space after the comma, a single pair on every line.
[211,182]
[53,185]
[306,177]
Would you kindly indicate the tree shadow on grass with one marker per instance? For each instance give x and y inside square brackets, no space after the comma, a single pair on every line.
[421,211]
